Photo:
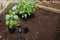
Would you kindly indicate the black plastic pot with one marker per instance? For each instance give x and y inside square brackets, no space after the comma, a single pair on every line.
[20,15]
[26,30]
[11,30]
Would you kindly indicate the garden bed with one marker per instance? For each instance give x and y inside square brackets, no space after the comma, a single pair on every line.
[45,26]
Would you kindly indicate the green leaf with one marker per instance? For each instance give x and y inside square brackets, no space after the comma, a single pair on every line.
[11,16]
[11,23]
[7,23]
[14,8]
[29,13]
[14,12]
[15,22]
[16,17]
[10,27]
[10,12]
[7,17]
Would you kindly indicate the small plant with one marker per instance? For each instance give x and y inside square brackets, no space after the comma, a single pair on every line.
[11,20]
[25,8]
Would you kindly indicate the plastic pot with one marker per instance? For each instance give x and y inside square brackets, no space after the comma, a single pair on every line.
[20,15]
[11,30]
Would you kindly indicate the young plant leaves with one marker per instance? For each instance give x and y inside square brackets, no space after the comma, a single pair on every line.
[10,12]
[16,17]
[7,23]
[14,8]
[7,17]
[15,22]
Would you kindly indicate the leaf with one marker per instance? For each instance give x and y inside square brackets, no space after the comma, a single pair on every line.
[10,12]
[22,10]
[7,23]
[14,12]
[11,23]
[29,13]
[15,22]
[10,27]
[7,17]
[11,16]
[16,17]
[14,8]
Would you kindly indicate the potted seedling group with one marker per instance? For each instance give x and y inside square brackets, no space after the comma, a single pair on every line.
[11,21]
[25,9]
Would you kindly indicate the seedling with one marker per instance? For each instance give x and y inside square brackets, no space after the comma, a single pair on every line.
[11,20]
[25,8]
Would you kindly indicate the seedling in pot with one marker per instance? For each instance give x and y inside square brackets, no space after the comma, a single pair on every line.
[11,21]
[25,8]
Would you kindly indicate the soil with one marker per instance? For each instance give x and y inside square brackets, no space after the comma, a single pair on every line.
[45,26]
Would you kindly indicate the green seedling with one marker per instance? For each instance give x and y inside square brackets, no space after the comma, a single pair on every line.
[11,20]
[25,8]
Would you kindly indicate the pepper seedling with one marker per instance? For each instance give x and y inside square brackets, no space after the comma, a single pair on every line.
[25,8]
[11,20]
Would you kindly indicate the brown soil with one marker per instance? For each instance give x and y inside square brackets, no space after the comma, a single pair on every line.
[45,26]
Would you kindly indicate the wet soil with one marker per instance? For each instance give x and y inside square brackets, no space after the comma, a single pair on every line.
[45,26]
